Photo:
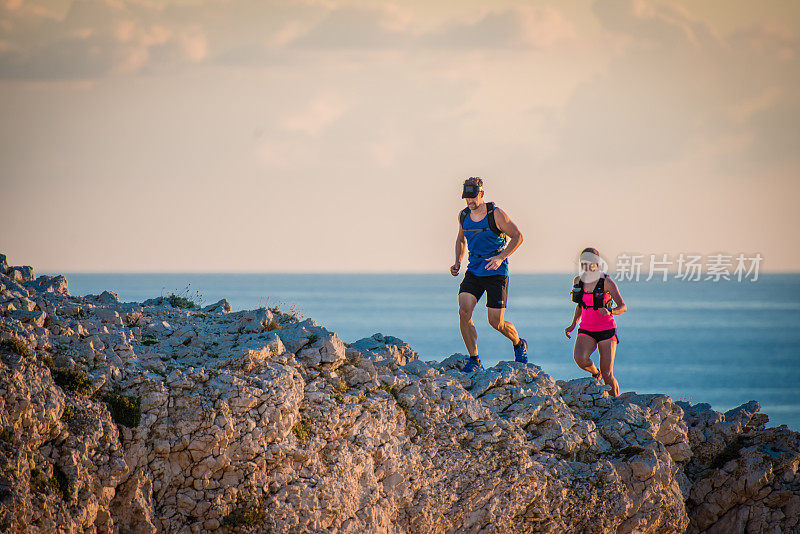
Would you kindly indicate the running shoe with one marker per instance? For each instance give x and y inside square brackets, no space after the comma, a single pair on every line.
[473,364]
[521,352]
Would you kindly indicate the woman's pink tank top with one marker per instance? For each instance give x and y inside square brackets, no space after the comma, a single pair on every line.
[592,319]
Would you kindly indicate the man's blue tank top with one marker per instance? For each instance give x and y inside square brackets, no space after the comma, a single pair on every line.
[481,241]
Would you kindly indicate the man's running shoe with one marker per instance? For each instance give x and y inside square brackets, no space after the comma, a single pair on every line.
[473,364]
[521,351]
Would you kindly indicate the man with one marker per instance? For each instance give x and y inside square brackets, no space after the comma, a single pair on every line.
[483,228]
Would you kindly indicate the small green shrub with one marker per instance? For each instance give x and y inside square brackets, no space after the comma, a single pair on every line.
[413,421]
[68,413]
[302,429]
[17,346]
[72,379]
[8,436]
[176,301]
[273,325]
[245,516]
[339,390]
[38,481]
[47,360]
[354,358]
[125,410]
[59,483]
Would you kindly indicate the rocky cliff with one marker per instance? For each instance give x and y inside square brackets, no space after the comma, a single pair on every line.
[150,417]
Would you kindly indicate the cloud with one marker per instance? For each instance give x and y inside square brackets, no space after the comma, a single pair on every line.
[248,32]
[356,28]
[520,27]
[386,27]
[94,38]
[320,112]
[660,24]
[678,88]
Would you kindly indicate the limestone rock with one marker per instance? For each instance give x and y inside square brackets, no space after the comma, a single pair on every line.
[221,306]
[36,318]
[20,274]
[743,476]
[106,297]
[386,348]
[132,417]
[49,284]
[108,315]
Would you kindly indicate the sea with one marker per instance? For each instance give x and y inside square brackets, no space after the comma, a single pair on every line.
[720,342]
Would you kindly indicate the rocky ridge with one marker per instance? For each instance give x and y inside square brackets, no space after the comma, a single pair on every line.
[146,417]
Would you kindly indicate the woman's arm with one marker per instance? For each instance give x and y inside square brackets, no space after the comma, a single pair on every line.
[575,316]
[620,307]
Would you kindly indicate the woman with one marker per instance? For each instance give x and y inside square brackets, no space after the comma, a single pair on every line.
[594,291]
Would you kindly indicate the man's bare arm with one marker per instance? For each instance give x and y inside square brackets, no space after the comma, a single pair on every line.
[461,244]
[507,226]
[461,247]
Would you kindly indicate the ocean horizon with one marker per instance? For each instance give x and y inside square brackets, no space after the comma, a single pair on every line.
[724,343]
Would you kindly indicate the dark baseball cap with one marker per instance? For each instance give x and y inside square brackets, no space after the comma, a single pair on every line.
[471,191]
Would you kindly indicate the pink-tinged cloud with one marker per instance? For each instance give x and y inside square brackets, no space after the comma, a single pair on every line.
[676,86]
[322,111]
[520,27]
[94,39]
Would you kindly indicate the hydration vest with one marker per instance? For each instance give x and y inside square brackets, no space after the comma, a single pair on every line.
[598,294]
[489,219]
[492,226]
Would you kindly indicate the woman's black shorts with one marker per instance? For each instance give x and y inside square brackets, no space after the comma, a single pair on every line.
[495,286]
[600,335]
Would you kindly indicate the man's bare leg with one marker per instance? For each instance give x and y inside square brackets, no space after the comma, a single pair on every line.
[466,304]
[504,327]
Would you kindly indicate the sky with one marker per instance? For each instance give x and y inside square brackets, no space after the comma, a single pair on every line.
[334,135]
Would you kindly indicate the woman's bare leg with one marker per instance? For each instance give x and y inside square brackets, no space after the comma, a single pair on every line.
[584,347]
[607,349]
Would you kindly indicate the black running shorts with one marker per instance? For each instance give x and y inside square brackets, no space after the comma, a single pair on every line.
[495,286]
[600,335]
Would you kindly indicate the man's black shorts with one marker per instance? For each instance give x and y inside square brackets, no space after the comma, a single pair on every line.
[496,287]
